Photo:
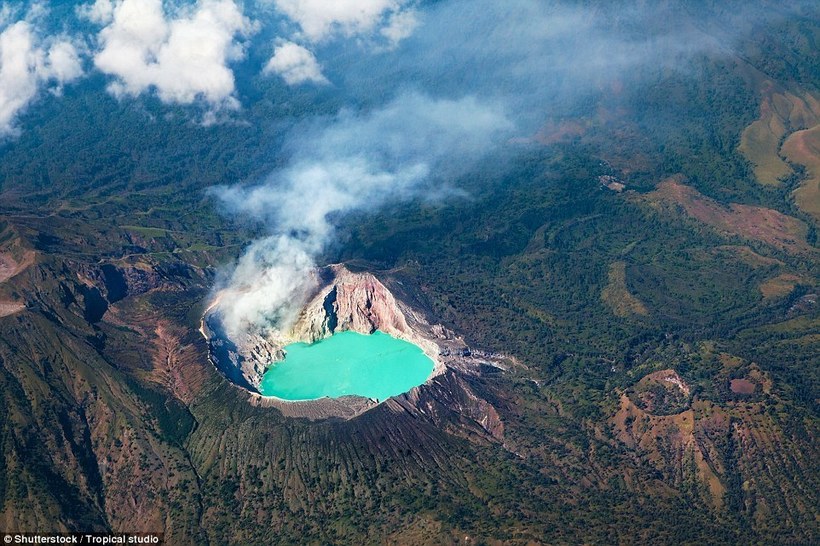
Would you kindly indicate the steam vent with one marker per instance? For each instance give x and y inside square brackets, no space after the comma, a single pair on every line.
[348,313]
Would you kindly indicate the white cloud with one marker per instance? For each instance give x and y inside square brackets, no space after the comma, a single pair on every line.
[100,12]
[28,63]
[5,14]
[320,19]
[400,25]
[184,57]
[63,62]
[295,64]
[388,21]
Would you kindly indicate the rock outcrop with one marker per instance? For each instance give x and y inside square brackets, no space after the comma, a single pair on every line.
[359,302]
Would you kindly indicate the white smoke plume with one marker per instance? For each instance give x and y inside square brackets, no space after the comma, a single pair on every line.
[355,162]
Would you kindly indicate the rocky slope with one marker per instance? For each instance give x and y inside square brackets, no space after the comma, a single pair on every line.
[359,302]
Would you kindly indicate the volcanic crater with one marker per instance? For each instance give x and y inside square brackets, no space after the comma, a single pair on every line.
[344,300]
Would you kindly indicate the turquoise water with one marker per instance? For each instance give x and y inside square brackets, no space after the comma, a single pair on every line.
[375,366]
